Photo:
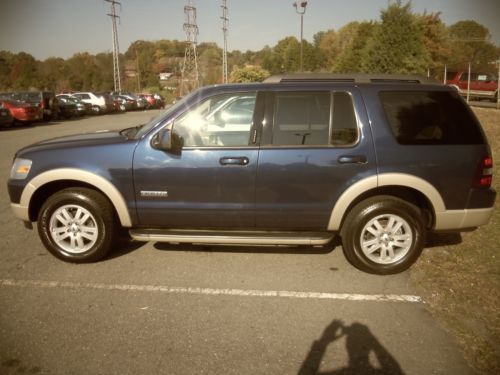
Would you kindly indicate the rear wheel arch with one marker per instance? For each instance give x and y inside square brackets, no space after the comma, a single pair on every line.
[411,189]
[406,194]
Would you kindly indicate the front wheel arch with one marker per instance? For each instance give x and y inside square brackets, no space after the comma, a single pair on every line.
[45,184]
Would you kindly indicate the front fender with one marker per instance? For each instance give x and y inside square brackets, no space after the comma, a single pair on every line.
[21,210]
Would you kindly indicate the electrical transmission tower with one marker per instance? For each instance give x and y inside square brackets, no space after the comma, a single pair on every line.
[190,74]
[116,49]
[225,22]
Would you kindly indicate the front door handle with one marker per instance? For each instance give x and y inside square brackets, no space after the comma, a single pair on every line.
[352,159]
[243,160]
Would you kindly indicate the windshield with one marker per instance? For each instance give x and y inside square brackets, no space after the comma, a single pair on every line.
[154,121]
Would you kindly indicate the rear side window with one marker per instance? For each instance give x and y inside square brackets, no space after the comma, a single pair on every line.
[430,117]
[314,119]
[301,118]
[344,124]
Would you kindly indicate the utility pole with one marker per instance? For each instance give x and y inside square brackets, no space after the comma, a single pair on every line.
[225,21]
[138,71]
[498,84]
[190,79]
[116,49]
[302,5]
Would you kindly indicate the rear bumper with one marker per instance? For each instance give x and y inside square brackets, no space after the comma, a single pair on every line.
[463,219]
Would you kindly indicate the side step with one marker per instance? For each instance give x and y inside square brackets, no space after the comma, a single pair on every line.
[232,237]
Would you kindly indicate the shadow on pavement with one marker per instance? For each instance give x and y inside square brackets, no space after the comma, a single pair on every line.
[360,343]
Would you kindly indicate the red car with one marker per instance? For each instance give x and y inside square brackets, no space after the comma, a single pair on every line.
[482,85]
[22,112]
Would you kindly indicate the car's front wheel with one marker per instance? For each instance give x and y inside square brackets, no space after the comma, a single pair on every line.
[76,225]
[383,235]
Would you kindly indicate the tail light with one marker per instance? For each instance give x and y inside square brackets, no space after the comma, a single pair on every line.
[484,174]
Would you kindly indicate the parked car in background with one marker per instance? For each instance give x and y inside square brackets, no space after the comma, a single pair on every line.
[82,108]
[126,103]
[154,100]
[98,102]
[67,108]
[22,112]
[6,119]
[45,100]
[141,103]
[160,100]
[108,100]
[482,85]
[151,102]
[118,105]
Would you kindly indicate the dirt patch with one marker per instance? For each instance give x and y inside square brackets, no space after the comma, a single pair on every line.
[461,282]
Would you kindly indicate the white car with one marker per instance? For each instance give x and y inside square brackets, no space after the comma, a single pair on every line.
[98,102]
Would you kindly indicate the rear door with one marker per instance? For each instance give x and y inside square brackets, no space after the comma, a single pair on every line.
[314,146]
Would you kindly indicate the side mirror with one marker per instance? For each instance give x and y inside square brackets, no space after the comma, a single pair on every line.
[167,140]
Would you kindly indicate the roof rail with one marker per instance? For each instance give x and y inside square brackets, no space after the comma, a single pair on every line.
[350,78]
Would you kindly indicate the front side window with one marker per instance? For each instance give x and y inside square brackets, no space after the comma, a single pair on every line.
[220,121]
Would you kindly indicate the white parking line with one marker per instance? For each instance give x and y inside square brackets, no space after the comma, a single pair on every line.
[214,291]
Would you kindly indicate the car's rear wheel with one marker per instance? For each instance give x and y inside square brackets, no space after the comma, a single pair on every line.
[383,235]
[76,225]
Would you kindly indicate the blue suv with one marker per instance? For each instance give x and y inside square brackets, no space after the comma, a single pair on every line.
[296,160]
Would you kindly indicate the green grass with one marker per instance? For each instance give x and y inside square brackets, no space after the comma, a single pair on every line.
[461,282]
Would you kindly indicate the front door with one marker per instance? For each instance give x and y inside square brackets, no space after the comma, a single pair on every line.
[211,183]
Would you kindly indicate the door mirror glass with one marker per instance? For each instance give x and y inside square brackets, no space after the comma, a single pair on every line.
[167,140]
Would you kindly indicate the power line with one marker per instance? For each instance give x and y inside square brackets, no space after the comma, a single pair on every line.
[190,79]
[116,49]
[225,22]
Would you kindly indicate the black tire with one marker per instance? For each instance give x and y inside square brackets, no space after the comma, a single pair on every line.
[83,218]
[383,235]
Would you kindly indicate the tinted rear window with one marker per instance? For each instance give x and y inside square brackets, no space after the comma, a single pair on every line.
[430,117]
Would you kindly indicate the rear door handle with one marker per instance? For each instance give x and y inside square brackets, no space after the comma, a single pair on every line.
[352,159]
[243,160]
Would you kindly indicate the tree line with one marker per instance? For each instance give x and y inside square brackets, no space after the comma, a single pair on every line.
[400,42]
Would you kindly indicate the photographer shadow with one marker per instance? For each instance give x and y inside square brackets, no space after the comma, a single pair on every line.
[360,343]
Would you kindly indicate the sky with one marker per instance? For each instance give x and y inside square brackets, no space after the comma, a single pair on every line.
[61,28]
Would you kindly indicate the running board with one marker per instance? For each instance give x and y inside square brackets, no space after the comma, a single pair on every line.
[232,237]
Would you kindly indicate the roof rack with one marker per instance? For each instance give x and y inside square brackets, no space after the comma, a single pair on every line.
[349,78]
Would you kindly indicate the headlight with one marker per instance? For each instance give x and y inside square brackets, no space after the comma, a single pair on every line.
[20,169]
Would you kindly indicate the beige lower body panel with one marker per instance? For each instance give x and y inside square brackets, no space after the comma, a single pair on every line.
[463,219]
[20,211]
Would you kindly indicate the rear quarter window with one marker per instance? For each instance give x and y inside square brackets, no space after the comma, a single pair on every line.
[430,117]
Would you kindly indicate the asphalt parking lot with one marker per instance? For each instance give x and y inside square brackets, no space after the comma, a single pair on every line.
[181,309]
